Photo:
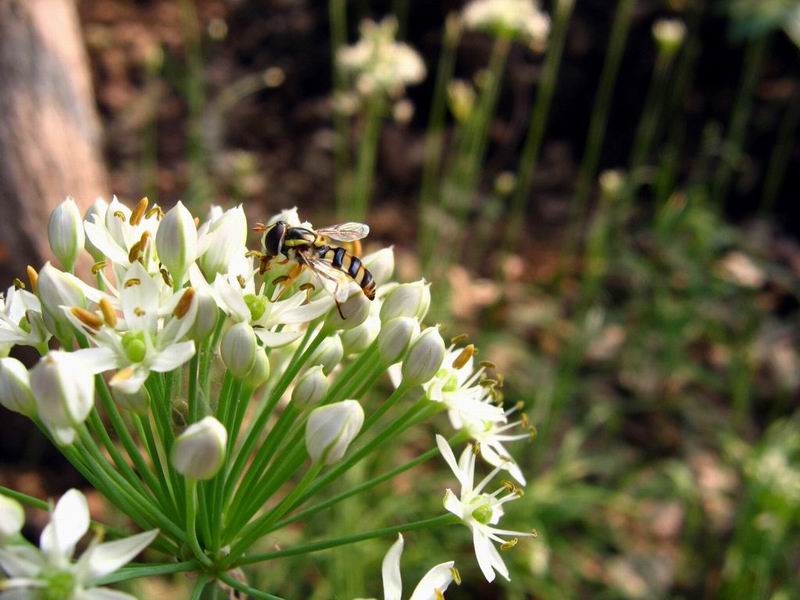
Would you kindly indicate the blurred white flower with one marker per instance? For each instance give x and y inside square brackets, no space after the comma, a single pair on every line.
[432,586]
[379,63]
[21,320]
[49,571]
[479,511]
[517,18]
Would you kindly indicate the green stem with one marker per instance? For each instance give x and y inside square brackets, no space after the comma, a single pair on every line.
[439,521]
[781,153]
[199,586]
[367,154]
[133,571]
[533,142]
[246,589]
[337,13]
[191,519]
[194,366]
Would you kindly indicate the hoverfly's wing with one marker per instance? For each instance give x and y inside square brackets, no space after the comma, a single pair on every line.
[345,232]
[336,283]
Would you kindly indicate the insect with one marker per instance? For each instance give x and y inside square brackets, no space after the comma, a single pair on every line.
[333,265]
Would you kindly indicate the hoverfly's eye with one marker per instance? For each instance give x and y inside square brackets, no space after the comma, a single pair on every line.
[273,238]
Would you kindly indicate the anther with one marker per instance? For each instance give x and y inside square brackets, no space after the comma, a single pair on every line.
[533,432]
[456,575]
[197,221]
[132,282]
[156,210]
[98,266]
[534,533]
[165,276]
[18,283]
[139,311]
[184,303]
[138,212]
[439,594]
[120,215]
[464,357]
[241,280]
[86,317]
[523,419]
[487,364]
[33,278]
[476,448]
[508,545]
[281,279]
[458,339]
[254,254]
[109,314]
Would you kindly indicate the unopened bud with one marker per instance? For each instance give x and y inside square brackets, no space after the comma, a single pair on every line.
[96,214]
[65,233]
[424,358]
[176,241]
[329,354]
[238,349]
[206,319]
[56,289]
[198,453]
[311,387]
[407,300]
[12,518]
[354,310]
[259,373]
[64,391]
[331,429]
[395,337]
[359,338]
[15,387]
[669,34]
[380,264]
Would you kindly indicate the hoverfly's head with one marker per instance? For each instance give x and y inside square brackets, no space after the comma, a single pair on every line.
[273,238]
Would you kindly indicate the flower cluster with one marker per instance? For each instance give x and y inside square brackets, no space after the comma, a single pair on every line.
[211,392]
[518,19]
[379,63]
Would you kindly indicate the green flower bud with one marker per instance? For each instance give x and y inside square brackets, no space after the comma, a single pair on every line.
[206,320]
[311,387]
[239,349]
[330,430]
[65,233]
[198,453]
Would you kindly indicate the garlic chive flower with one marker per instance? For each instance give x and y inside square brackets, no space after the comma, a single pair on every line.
[65,233]
[199,451]
[331,428]
[238,349]
[424,358]
[176,241]
[378,63]
[407,300]
[21,320]
[480,511]
[49,572]
[395,337]
[521,19]
[432,586]
[311,387]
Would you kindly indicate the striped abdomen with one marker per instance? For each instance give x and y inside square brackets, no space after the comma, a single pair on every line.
[341,260]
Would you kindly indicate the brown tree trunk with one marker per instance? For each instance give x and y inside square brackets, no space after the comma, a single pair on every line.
[49,127]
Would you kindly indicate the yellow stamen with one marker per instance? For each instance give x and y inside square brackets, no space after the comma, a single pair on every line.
[280,280]
[139,311]
[156,210]
[132,282]
[523,419]
[254,254]
[138,212]
[120,215]
[109,314]
[534,433]
[33,278]
[509,544]
[184,303]
[122,375]
[534,533]
[98,266]
[476,448]
[241,281]
[18,283]
[439,594]
[487,364]
[86,317]
[462,359]
[166,276]
[458,339]
[456,575]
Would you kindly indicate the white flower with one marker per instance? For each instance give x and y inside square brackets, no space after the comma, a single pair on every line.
[380,264]
[238,349]
[328,354]
[12,518]
[65,233]
[379,63]
[479,511]
[176,241]
[407,300]
[64,390]
[198,453]
[520,18]
[221,246]
[96,212]
[424,358]
[144,340]
[395,337]
[15,387]
[432,586]
[50,572]
[311,387]
[21,321]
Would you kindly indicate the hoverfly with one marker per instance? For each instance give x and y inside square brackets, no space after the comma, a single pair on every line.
[333,265]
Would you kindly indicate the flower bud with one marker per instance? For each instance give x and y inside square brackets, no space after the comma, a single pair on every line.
[407,300]
[64,391]
[15,387]
[331,428]
[355,310]
[176,241]
[206,320]
[669,34]
[395,337]
[259,373]
[424,358]
[56,289]
[198,453]
[328,354]
[380,264]
[359,338]
[227,238]
[12,518]
[238,349]
[65,232]
[311,387]
[95,214]
[138,401]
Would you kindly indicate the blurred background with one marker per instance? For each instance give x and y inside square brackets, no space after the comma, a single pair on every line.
[607,207]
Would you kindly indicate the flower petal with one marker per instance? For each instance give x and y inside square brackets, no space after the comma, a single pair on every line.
[21,561]
[100,593]
[108,557]
[449,457]
[98,360]
[102,240]
[390,571]
[483,552]
[172,357]
[438,579]
[68,524]
[276,339]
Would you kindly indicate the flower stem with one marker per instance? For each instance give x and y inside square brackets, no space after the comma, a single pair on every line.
[191,519]
[246,589]
[199,586]
[134,571]
[439,521]
[367,152]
